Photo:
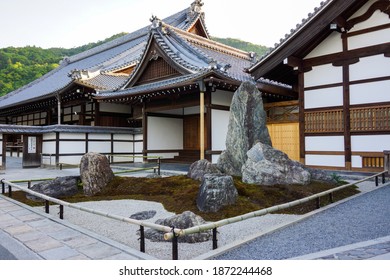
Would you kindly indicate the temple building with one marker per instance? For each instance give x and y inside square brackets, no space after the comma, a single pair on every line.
[338,62]
[163,90]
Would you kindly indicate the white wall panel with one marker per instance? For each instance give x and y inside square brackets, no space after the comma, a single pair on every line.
[369,39]
[370,143]
[375,92]
[123,147]
[357,162]
[378,18]
[323,75]
[332,44]
[70,147]
[325,160]
[321,98]
[165,133]
[324,143]
[99,136]
[72,136]
[220,124]
[99,147]
[370,67]
[48,148]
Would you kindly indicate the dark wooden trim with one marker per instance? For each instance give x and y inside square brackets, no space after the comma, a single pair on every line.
[213,152]
[209,128]
[144,129]
[86,142]
[324,134]
[369,105]
[57,147]
[383,6]
[162,115]
[112,143]
[219,107]
[325,153]
[346,62]
[346,109]
[370,132]
[301,92]
[347,55]
[324,86]
[368,30]
[372,80]
[323,109]
[4,152]
[326,167]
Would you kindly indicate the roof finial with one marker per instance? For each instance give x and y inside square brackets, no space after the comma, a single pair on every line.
[196,6]
[156,22]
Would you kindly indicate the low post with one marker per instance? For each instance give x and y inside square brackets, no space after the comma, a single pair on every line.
[215,239]
[175,249]
[61,212]
[46,206]
[9,191]
[331,198]
[318,202]
[159,166]
[383,178]
[376,181]
[142,239]
[2,187]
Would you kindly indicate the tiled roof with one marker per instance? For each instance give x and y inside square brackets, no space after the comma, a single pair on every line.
[294,31]
[13,129]
[111,55]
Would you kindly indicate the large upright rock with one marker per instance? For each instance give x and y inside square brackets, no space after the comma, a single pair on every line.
[247,126]
[95,173]
[268,166]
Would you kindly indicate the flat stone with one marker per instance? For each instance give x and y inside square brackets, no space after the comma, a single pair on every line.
[59,253]
[98,251]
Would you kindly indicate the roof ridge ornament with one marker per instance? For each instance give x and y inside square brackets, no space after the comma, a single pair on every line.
[196,6]
[156,22]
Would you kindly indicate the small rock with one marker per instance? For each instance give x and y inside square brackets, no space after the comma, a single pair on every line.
[215,192]
[201,167]
[185,220]
[60,187]
[144,215]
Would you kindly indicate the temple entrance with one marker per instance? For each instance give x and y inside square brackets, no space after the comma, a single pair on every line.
[21,151]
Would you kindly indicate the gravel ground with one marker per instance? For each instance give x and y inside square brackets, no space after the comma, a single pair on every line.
[345,224]
[126,233]
[362,218]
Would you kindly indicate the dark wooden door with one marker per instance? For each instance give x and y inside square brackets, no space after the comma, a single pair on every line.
[192,133]
[32,149]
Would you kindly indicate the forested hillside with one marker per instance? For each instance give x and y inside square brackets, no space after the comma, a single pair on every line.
[20,66]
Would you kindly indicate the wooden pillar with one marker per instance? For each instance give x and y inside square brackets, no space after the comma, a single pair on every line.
[346,109]
[58,109]
[97,114]
[201,125]
[144,130]
[301,92]
[209,131]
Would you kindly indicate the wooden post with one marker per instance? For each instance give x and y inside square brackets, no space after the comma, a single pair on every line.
[202,124]
[61,212]
[142,239]
[215,239]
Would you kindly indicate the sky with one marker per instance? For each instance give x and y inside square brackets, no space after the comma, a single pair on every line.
[72,23]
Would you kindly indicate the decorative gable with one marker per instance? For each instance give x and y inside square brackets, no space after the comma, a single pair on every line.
[198,29]
[156,69]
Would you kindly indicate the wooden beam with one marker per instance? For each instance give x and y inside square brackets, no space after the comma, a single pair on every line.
[201,104]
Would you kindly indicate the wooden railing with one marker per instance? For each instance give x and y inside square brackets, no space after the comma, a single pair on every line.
[370,119]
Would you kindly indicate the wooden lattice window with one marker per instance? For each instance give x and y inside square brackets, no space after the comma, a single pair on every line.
[324,121]
[370,119]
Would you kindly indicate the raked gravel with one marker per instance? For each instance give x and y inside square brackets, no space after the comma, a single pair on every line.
[127,233]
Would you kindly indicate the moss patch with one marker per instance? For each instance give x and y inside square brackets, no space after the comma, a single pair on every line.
[178,194]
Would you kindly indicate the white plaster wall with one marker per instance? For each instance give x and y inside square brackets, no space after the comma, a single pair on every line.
[70,159]
[375,92]
[70,147]
[332,44]
[325,160]
[369,39]
[324,143]
[123,147]
[370,67]
[165,133]
[220,124]
[126,137]
[357,162]
[99,147]
[214,158]
[323,75]
[48,147]
[223,98]
[72,136]
[370,143]
[99,136]
[49,136]
[327,97]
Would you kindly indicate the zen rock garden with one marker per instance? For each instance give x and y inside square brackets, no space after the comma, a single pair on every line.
[249,154]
